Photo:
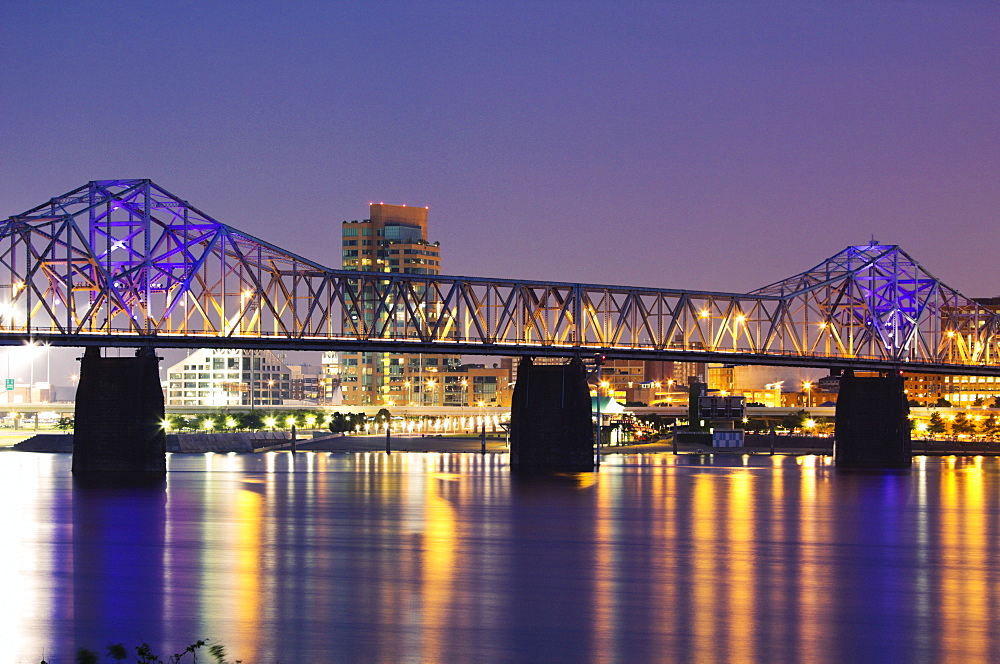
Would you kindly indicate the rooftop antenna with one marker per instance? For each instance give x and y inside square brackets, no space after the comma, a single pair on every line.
[873,242]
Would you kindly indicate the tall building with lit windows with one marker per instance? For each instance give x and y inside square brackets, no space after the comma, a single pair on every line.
[393,239]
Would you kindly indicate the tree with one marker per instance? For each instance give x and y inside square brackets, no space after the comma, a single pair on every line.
[990,426]
[942,403]
[310,418]
[65,423]
[382,417]
[251,421]
[654,421]
[794,421]
[339,423]
[963,425]
[174,422]
[356,420]
[937,424]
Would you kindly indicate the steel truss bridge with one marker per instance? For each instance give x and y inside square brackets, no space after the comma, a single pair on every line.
[126,263]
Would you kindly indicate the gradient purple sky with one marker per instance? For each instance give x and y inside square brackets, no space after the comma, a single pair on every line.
[698,145]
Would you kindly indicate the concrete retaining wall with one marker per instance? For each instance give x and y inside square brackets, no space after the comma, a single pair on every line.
[176,442]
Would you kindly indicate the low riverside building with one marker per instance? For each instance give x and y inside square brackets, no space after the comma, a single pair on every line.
[476,385]
[18,393]
[221,377]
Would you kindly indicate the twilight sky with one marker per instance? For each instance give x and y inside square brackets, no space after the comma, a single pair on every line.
[699,145]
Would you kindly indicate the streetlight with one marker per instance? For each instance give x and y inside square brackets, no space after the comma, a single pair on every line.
[599,362]
[409,400]
[48,366]
[32,345]
[465,393]
[807,386]
[430,388]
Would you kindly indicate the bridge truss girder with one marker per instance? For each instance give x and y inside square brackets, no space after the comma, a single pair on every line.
[126,263]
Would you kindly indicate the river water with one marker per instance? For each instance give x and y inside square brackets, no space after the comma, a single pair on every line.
[318,557]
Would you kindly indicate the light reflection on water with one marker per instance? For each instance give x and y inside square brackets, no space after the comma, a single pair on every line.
[445,557]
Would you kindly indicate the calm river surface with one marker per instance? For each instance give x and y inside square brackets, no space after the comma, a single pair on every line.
[318,557]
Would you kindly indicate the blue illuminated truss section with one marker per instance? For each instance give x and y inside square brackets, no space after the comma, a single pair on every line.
[883,298]
[127,263]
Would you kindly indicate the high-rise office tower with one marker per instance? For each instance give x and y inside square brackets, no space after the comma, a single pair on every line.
[393,239]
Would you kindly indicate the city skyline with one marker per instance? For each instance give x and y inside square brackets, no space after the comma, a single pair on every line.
[643,185]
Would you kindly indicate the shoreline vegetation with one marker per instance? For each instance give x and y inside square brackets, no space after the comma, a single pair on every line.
[144,654]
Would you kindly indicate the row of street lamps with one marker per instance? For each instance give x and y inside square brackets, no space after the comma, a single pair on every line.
[453,424]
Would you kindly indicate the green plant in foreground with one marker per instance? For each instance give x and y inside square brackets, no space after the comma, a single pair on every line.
[145,655]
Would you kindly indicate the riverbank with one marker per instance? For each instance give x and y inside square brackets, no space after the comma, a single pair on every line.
[799,445]
[268,441]
[249,442]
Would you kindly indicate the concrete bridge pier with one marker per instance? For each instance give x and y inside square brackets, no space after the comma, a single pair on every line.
[119,414]
[550,418]
[872,429]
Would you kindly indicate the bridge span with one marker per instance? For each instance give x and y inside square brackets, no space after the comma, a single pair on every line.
[126,263]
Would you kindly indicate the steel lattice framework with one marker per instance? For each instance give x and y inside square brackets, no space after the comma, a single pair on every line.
[126,263]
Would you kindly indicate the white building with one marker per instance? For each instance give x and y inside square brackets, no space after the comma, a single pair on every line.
[213,377]
[330,392]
